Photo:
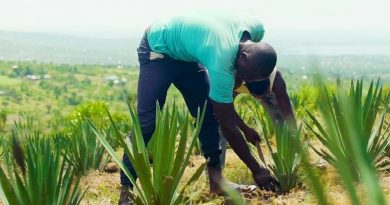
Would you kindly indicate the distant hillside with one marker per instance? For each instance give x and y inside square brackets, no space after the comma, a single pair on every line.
[66,49]
[288,44]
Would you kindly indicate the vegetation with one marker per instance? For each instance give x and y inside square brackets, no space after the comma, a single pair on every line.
[52,129]
[3,147]
[96,113]
[3,119]
[342,111]
[287,157]
[160,186]
[235,198]
[39,175]
[83,150]
[352,145]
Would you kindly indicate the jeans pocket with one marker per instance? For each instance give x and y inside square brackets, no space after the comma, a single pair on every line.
[143,56]
[144,50]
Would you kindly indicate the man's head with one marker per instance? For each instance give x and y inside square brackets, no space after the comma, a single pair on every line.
[255,61]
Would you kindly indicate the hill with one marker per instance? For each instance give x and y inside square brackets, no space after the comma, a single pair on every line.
[66,49]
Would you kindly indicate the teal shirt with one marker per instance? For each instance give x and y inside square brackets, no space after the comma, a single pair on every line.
[210,39]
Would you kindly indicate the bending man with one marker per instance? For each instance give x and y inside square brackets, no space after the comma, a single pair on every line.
[226,45]
[271,93]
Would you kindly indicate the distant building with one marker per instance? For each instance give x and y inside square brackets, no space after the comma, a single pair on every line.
[111,78]
[32,77]
[114,79]
[14,67]
[46,76]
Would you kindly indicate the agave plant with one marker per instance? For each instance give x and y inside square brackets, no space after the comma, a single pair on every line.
[351,144]
[247,107]
[362,112]
[25,126]
[38,175]
[287,156]
[183,117]
[5,150]
[95,111]
[83,150]
[313,180]
[170,157]
[234,197]
[386,97]
[299,101]
[288,152]
[263,120]
[2,145]
[3,119]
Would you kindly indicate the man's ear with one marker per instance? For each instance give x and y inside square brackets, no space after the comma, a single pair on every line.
[243,58]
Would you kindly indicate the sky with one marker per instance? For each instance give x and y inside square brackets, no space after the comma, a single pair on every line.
[129,18]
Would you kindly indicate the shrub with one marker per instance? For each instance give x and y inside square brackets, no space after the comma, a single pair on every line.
[95,111]
[74,99]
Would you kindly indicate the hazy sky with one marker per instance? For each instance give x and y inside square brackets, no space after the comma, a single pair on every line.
[121,18]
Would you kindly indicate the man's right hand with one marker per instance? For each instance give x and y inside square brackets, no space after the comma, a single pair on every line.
[266,181]
[225,113]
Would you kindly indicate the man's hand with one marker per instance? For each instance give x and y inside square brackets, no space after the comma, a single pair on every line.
[265,181]
[228,119]
[251,135]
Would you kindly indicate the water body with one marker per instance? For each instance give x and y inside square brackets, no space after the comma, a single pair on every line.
[330,50]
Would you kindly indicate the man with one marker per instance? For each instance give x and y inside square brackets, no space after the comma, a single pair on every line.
[226,45]
[271,93]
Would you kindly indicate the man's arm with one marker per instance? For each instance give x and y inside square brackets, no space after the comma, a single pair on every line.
[283,100]
[227,118]
[250,134]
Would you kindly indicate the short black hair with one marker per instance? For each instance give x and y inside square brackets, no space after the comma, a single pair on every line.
[265,57]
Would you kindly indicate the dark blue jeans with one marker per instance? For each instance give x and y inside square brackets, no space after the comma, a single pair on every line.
[155,77]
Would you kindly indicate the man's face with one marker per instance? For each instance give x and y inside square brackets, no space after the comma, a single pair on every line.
[247,71]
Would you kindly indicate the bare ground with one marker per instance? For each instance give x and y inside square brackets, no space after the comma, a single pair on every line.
[104,187]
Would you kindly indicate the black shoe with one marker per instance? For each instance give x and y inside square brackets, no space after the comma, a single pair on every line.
[124,198]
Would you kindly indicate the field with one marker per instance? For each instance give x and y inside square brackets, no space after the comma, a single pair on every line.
[76,113]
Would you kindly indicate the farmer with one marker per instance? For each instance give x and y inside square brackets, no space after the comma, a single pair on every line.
[227,45]
[271,93]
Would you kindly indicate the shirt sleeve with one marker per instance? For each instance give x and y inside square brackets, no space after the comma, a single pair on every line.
[256,29]
[258,35]
[221,86]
